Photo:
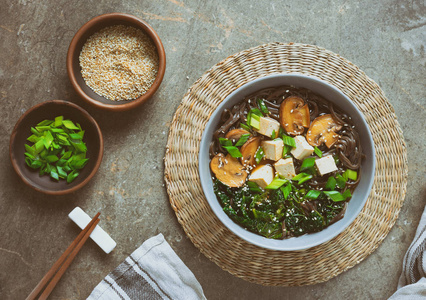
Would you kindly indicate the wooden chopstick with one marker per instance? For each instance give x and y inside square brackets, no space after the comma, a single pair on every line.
[65,260]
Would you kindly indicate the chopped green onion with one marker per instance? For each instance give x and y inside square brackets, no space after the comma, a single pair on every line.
[281,132]
[57,130]
[81,133]
[58,121]
[299,176]
[35,164]
[42,128]
[28,155]
[288,140]
[75,136]
[54,174]
[63,140]
[57,150]
[286,190]
[347,194]
[286,150]
[254,121]
[253,118]
[51,158]
[256,112]
[69,124]
[33,138]
[318,152]
[79,146]
[80,163]
[66,155]
[30,150]
[61,172]
[71,176]
[60,162]
[350,174]
[276,183]
[341,182]
[331,183]
[302,177]
[242,140]
[48,139]
[307,163]
[254,187]
[334,195]
[313,194]
[45,123]
[259,155]
[233,151]
[225,142]
[55,146]
[273,134]
[262,106]
[35,131]
[39,145]
[245,127]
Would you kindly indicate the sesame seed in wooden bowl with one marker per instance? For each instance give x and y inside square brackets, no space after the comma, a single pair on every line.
[116,62]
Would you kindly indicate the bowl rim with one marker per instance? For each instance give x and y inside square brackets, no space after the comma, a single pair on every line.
[98,160]
[251,237]
[146,28]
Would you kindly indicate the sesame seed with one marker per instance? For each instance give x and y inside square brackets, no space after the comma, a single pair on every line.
[119,62]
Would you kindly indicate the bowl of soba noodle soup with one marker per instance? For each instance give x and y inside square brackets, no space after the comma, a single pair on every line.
[287,162]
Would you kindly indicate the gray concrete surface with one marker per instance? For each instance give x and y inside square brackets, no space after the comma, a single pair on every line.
[386,39]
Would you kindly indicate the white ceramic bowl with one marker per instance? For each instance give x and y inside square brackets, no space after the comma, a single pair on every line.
[360,194]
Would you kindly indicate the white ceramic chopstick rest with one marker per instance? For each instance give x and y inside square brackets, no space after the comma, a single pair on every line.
[99,236]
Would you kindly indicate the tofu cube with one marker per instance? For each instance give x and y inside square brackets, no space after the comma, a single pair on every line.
[303,149]
[326,165]
[285,168]
[262,175]
[268,125]
[273,149]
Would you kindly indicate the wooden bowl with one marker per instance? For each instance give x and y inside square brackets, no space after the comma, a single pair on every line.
[49,110]
[77,43]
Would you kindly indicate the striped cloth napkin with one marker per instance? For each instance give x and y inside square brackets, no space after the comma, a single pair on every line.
[153,271]
[412,282]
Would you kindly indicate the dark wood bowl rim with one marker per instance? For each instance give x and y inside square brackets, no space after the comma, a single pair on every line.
[104,19]
[74,187]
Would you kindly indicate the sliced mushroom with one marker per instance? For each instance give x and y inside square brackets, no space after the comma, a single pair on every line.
[235,134]
[323,130]
[248,150]
[304,110]
[228,170]
[294,115]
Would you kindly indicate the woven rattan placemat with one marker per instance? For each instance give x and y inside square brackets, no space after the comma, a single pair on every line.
[269,267]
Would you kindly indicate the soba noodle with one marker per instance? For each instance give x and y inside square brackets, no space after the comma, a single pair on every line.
[347,151]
